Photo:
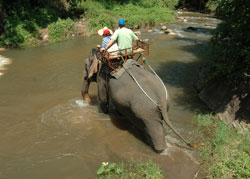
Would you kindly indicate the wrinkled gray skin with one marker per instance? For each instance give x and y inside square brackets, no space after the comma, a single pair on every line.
[130,101]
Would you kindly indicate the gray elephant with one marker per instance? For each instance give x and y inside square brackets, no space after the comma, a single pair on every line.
[137,94]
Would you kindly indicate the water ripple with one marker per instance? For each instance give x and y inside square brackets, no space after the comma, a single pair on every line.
[3,62]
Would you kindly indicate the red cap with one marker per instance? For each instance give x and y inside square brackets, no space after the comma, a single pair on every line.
[106,31]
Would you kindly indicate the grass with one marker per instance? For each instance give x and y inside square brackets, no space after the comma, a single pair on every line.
[131,169]
[225,150]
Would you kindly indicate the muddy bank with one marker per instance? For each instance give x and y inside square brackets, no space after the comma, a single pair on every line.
[2,49]
[231,104]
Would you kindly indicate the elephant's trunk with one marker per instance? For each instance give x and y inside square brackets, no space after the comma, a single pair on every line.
[90,70]
[165,117]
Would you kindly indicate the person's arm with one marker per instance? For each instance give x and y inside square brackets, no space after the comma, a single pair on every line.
[111,42]
[134,37]
[102,45]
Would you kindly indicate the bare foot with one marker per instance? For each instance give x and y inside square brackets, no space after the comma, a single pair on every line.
[86,98]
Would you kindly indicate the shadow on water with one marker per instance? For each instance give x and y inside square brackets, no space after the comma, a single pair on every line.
[125,124]
[222,93]
[198,30]
[184,75]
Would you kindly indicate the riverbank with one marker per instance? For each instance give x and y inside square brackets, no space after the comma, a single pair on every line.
[224,86]
[224,149]
[225,134]
[230,103]
[44,23]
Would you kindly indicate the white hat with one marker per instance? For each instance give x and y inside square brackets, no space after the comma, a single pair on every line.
[100,31]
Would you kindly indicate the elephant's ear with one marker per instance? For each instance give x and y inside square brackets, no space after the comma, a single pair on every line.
[93,67]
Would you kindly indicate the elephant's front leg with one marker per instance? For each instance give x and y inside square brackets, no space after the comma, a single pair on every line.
[102,94]
[85,87]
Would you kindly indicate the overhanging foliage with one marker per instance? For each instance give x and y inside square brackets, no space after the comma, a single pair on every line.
[230,50]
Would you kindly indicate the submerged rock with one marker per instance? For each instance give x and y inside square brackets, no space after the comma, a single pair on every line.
[192,28]
[169,32]
[138,33]
[164,27]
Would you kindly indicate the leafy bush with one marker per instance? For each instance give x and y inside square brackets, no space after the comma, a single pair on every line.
[98,16]
[61,30]
[15,36]
[19,33]
[158,3]
[212,4]
[170,3]
[101,21]
[230,44]
[22,21]
[136,15]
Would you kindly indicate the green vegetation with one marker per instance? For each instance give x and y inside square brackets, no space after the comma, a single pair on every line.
[229,46]
[225,151]
[141,13]
[212,4]
[61,29]
[21,21]
[131,169]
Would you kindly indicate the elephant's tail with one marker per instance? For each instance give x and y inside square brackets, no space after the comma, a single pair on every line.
[165,117]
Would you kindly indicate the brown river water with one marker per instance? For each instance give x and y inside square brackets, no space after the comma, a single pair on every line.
[47,131]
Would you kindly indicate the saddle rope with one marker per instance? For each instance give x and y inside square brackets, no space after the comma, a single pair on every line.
[160,80]
[132,76]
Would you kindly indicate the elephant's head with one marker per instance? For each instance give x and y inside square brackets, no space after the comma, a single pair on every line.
[91,65]
[89,74]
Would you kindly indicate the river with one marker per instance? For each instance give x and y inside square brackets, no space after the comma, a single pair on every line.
[47,131]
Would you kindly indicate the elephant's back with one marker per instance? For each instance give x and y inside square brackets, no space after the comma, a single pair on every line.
[137,92]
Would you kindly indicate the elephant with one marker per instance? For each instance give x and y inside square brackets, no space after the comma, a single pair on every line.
[147,113]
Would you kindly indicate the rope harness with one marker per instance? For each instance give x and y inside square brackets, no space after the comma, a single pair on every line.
[133,77]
